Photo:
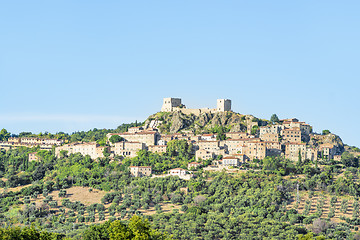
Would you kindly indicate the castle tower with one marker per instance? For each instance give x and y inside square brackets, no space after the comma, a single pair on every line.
[223,105]
[170,103]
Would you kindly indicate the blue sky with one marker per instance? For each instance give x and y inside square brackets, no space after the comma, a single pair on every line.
[76,65]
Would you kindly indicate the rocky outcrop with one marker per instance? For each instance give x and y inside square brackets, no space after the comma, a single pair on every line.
[173,122]
[317,139]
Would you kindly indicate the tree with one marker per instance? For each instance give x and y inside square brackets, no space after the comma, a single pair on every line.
[115,139]
[299,163]
[4,135]
[254,130]
[325,132]
[118,230]
[27,233]
[319,226]
[349,160]
[97,232]
[274,118]
[106,152]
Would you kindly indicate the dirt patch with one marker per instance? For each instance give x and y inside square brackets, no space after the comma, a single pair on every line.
[15,189]
[81,194]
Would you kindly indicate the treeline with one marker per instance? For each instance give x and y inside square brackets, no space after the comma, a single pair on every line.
[136,228]
[252,205]
[85,136]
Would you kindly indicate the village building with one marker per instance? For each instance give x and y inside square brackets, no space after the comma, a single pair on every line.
[294,150]
[273,148]
[234,161]
[194,165]
[140,171]
[135,129]
[211,146]
[127,149]
[92,149]
[255,149]
[157,148]
[237,135]
[147,137]
[328,150]
[271,137]
[181,173]
[174,104]
[208,137]
[204,155]
[291,135]
[233,146]
[33,156]
[274,129]
[312,153]
[34,141]
[5,145]
[174,136]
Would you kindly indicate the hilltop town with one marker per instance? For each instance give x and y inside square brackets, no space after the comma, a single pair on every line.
[289,138]
[185,165]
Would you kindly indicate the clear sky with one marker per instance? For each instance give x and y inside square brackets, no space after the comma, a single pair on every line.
[75,65]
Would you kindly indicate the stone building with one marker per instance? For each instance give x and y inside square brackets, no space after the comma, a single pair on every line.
[211,146]
[255,149]
[273,148]
[204,154]
[193,165]
[237,135]
[274,129]
[312,153]
[137,171]
[292,150]
[33,156]
[181,173]
[328,150]
[272,137]
[147,137]
[157,148]
[127,149]
[291,135]
[174,104]
[92,149]
[223,105]
[34,141]
[232,161]
[135,129]
[233,146]
[170,103]
[208,137]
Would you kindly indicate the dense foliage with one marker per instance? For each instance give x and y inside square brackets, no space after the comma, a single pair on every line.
[27,233]
[255,204]
[136,228]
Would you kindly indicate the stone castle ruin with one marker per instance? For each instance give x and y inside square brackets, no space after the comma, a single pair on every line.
[175,105]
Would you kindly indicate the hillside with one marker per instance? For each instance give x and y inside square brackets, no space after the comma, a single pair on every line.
[177,122]
[269,198]
[173,122]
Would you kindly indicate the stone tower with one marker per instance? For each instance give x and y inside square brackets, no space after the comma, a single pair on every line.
[170,103]
[223,105]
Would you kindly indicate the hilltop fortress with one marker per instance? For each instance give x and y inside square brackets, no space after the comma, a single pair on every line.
[175,105]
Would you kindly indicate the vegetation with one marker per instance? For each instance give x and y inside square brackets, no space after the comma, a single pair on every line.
[274,119]
[325,132]
[115,139]
[137,228]
[27,233]
[273,198]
